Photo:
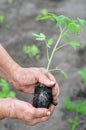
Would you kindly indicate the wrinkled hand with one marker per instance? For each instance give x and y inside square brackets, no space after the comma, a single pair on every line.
[25,112]
[25,79]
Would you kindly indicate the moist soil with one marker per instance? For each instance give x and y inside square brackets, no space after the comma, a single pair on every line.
[42,97]
[16,32]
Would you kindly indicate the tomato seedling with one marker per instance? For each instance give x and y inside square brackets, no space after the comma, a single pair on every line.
[67,27]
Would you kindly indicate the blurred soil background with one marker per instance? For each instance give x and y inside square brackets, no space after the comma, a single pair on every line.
[20,16]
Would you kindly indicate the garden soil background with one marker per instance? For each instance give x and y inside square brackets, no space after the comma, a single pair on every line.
[20,15]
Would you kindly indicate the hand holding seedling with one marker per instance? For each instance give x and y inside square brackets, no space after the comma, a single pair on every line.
[24,111]
[24,79]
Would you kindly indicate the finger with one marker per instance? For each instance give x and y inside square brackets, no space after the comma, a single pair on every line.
[43,119]
[55,89]
[56,86]
[41,112]
[38,120]
[45,80]
[52,108]
[51,77]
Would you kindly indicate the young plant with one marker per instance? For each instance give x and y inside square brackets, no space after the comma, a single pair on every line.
[10,1]
[2,22]
[32,51]
[74,122]
[67,27]
[82,73]
[2,17]
[79,107]
[5,90]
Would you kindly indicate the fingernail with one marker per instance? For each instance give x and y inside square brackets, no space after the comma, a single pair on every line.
[52,82]
[48,113]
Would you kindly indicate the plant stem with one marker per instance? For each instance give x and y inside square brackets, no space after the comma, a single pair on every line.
[53,51]
[60,47]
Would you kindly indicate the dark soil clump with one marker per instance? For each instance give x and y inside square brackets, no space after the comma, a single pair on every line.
[42,97]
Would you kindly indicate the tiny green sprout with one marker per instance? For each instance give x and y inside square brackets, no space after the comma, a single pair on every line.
[7,26]
[74,122]
[68,27]
[10,1]
[82,73]
[32,51]
[2,17]
[5,90]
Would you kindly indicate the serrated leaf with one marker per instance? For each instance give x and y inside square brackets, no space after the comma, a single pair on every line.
[77,29]
[50,42]
[45,15]
[74,44]
[82,22]
[39,37]
[72,27]
[67,37]
[60,20]
[68,21]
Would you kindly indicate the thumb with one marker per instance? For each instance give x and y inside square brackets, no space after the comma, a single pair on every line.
[42,112]
[46,81]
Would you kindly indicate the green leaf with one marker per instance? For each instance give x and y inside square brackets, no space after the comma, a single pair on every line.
[5,89]
[67,37]
[50,42]
[82,22]
[74,44]
[79,107]
[60,20]
[68,21]
[70,105]
[36,35]
[82,72]
[74,122]
[44,12]
[45,15]
[39,37]
[32,51]
[77,29]
[72,27]
[12,94]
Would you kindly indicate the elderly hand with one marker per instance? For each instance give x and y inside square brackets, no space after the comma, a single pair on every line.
[25,79]
[17,109]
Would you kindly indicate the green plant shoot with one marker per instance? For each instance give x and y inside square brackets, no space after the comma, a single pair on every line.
[2,17]
[79,107]
[5,90]
[82,73]
[68,27]
[32,51]
[74,122]
[10,1]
